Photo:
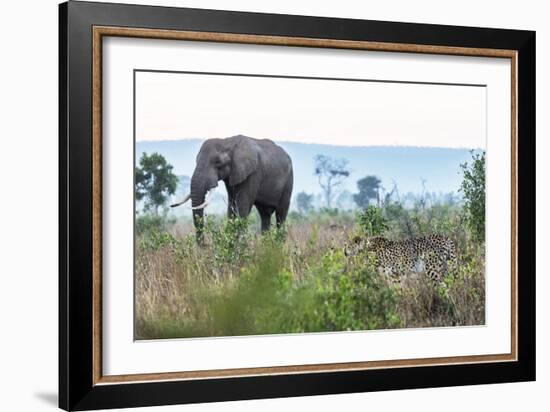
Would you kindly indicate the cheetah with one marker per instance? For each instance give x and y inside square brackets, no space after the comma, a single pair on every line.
[431,254]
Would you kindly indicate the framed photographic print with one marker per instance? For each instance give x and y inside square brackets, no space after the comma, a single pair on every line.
[256,205]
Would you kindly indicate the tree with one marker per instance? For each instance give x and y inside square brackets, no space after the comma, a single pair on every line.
[473,187]
[369,189]
[331,173]
[304,202]
[155,181]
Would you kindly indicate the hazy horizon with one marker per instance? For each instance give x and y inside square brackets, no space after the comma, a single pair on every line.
[407,167]
[277,141]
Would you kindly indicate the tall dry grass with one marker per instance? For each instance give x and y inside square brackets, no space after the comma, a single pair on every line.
[241,283]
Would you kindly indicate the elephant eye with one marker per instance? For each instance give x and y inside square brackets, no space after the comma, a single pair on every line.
[220,161]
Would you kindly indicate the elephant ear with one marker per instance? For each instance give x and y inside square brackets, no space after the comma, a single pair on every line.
[244,161]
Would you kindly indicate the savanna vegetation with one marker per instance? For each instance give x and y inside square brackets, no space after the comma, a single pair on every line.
[297,278]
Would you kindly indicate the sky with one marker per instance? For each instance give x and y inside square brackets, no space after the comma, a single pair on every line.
[174,106]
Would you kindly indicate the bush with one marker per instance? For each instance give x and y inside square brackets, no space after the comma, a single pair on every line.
[231,240]
[155,240]
[371,221]
[350,296]
[150,223]
[473,187]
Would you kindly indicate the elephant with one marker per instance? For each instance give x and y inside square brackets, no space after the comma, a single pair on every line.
[256,172]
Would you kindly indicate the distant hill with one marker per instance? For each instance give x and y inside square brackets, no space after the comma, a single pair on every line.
[406,166]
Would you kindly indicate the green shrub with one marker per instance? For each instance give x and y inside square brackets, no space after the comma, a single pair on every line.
[231,240]
[351,296]
[277,235]
[267,299]
[473,187]
[150,222]
[248,306]
[371,221]
[156,239]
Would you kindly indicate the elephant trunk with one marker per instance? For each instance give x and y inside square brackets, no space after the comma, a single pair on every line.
[198,193]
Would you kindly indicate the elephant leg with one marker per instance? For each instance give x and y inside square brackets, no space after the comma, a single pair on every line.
[281,216]
[242,204]
[284,204]
[265,215]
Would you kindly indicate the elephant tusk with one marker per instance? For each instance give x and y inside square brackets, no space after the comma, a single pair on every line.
[185,199]
[206,201]
[201,206]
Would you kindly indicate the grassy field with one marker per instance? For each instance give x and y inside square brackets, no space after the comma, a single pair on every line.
[298,279]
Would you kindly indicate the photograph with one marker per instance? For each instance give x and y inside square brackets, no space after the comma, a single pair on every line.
[260,205]
[276,204]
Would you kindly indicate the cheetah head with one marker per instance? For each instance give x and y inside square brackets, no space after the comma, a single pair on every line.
[354,246]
